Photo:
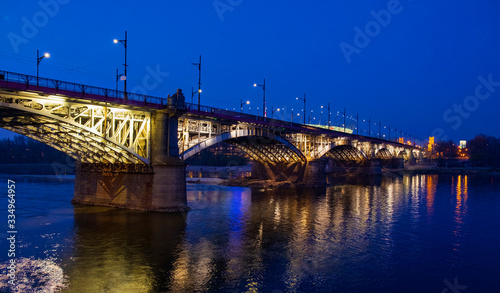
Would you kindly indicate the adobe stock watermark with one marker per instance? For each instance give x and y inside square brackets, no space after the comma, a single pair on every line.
[458,112]
[223,6]
[453,287]
[151,81]
[372,29]
[31,26]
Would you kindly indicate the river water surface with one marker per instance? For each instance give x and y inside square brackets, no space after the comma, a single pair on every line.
[420,233]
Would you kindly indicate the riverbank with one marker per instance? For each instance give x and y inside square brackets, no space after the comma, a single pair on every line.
[433,168]
[425,168]
[241,175]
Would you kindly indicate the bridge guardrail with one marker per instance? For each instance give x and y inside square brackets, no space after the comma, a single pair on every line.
[31,81]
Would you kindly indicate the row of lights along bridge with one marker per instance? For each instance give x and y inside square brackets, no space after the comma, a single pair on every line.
[400,135]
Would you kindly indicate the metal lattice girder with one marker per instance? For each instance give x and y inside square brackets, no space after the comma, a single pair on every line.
[88,132]
[403,154]
[260,144]
[383,154]
[346,153]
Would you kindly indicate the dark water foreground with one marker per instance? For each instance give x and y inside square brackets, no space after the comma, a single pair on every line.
[421,233]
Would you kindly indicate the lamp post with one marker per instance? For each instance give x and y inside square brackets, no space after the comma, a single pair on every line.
[279,110]
[264,100]
[243,103]
[303,99]
[320,115]
[272,111]
[117,79]
[344,119]
[369,127]
[198,65]
[357,123]
[329,113]
[38,60]
[124,43]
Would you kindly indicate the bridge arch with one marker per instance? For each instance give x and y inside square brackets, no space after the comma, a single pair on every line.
[346,153]
[260,145]
[88,133]
[383,154]
[403,154]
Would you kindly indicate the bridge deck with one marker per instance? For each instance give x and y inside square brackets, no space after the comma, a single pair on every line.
[21,82]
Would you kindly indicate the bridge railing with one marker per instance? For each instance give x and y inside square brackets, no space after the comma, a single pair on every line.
[221,112]
[31,82]
[75,89]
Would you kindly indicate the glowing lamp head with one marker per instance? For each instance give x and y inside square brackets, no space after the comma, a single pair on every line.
[115,41]
[46,55]
[199,90]
[254,85]
[248,102]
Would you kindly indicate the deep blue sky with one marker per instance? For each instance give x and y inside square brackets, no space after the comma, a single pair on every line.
[424,61]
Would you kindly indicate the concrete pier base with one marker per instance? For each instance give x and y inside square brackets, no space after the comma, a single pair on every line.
[312,173]
[394,163]
[161,188]
[315,173]
[369,167]
[293,172]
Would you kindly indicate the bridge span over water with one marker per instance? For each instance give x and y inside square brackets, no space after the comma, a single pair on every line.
[130,148]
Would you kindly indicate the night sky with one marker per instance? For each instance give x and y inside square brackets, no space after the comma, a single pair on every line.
[428,67]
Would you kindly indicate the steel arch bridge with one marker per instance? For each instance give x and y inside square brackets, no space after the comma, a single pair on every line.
[130,149]
[88,132]
[102,126]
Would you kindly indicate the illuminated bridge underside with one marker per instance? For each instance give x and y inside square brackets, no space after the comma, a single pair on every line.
[87,132]
[384,154]
[260,145]
[275,145]
[346,153]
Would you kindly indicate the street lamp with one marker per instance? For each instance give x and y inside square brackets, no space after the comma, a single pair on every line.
[243,103]
[303,99]
[124,77]
[198,65]
[264,100]
[117,79]
[38,60]
[272,111]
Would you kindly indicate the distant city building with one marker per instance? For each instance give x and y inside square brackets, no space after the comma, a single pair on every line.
[463,144]
[430,147]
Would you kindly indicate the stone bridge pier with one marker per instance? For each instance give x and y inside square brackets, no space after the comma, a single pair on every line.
[311,173]
[157,186]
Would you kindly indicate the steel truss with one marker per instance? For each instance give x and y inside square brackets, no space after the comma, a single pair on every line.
[90,133]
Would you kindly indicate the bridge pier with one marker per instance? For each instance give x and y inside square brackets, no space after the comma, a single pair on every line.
[393,163]
[368,167]
[315,172]
[311,173]
[158,186]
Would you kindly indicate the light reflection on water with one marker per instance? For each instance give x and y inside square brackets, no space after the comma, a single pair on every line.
[401,234]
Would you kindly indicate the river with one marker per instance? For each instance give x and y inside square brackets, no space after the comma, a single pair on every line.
[418,233]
